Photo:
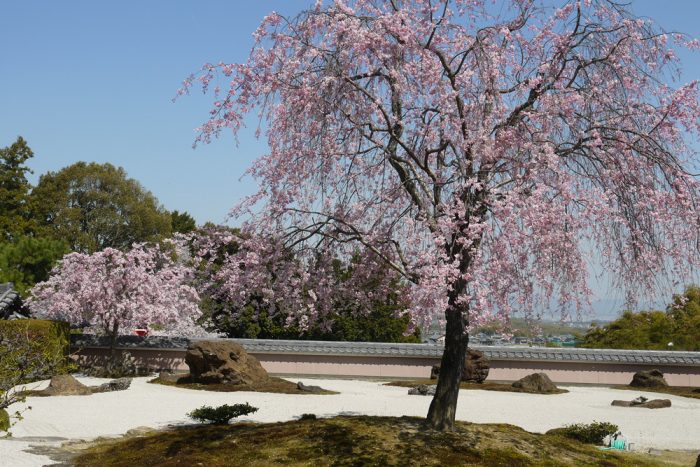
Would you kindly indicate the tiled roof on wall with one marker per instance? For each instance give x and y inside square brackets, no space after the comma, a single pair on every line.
[265,346]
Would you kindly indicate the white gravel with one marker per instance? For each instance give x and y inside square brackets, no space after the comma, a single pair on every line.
[151,405]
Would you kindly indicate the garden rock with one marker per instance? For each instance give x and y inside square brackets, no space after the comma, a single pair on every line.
[537,383]
[119,384]
[422,390]
[169,377]
[647,404]
[476,366]
[312,389]
[475,370]
[222,362]
[65,385]
[649,379]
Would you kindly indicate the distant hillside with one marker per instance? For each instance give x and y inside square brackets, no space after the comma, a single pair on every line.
[520,327]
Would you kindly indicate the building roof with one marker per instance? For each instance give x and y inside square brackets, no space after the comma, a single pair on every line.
[267,346]
[8,296]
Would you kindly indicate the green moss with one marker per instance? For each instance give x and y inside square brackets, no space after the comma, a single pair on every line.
[272,384]
[4,420]
[350,441]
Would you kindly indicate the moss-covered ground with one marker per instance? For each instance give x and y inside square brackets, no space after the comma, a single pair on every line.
[485,386]
[272,384]
[353,441]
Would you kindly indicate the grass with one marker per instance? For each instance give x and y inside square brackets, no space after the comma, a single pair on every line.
[682,391]
[485,386]
[272,384]
[352,441]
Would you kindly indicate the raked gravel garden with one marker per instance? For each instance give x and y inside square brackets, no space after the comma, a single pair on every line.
[54,420]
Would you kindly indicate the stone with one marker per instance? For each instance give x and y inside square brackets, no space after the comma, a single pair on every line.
[476,367]
[119,384]
[697,462]
[536,382]
[422,390]
[169,377]
[647,404]
[312,389]
[649,379]
[223,362]
[65,385]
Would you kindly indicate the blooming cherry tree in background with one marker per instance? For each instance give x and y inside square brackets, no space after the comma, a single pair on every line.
[483,152]
[113,292]
[240,271]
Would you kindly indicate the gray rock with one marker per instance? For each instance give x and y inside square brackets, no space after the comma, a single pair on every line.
[119,384]
[312,389]
[168,377]
[222,362]
[64,385]
[649,379]
[647,404]
[475,370]
[422,390]
[537,383]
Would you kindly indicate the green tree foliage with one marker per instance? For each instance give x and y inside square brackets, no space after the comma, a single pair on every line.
[685,316]
[94,206]
[14,190]
[653,330]
[182,222]
[30,350]
[28,260]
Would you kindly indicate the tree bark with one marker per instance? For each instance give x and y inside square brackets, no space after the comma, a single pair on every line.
[113,334]
[443,408]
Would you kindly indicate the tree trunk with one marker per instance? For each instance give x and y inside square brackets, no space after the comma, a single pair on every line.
[443,408]
[113,334]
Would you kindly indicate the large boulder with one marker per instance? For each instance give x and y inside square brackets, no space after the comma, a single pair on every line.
[65,385]
[536,382]
[223,362]
[649,404]
[649,379]
[475,370]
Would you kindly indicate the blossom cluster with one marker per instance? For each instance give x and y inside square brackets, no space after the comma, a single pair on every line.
[114,292]
[487,156]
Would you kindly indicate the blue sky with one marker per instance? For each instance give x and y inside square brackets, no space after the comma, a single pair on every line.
[93,81]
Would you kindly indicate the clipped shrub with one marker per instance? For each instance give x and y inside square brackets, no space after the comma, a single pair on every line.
[307,416]
[590,433]
[221,415]
[4,420]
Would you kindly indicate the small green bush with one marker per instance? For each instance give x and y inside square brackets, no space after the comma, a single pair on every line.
[222,414]
[4,420]
[307,416]
[590,433]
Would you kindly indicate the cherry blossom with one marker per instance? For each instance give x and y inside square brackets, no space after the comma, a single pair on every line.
[113,292]
[486,153]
